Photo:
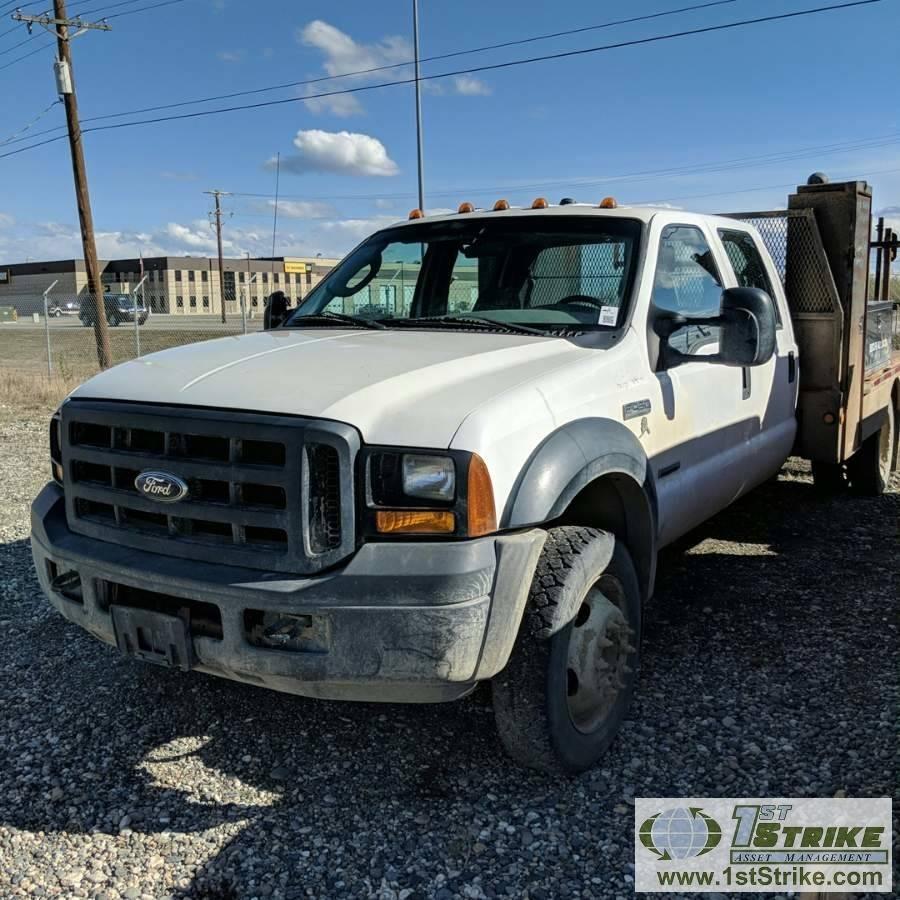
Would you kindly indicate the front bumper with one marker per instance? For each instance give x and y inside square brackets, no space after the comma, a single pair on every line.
[400,622]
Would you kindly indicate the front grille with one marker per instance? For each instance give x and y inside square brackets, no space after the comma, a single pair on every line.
[264,491]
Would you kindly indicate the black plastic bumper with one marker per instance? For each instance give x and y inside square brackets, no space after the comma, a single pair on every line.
[410,622]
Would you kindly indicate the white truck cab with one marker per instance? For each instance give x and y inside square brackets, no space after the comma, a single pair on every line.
[454,462]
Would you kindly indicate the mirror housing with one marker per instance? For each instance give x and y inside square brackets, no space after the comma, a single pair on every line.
[276,310]
[747,326]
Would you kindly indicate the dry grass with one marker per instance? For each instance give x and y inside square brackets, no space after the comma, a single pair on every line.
[28,392]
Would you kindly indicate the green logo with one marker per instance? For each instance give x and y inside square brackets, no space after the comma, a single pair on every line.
[680,833]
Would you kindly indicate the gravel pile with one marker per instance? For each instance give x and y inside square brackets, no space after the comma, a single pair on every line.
[771,668]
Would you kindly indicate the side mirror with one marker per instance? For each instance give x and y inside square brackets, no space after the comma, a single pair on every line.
[746,324]
[276,311]
[747,335]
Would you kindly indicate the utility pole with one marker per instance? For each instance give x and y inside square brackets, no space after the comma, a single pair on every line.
[59,25]
[218,215]
[418,106]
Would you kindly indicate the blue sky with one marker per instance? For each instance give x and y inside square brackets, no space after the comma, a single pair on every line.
[583,127]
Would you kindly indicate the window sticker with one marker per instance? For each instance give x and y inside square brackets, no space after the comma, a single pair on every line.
[609,315]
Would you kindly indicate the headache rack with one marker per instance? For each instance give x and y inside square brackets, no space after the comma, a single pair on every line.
[264,492]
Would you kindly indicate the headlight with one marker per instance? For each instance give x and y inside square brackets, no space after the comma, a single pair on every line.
[427,493]
[429,477]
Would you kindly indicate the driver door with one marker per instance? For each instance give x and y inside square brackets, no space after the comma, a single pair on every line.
[699,422]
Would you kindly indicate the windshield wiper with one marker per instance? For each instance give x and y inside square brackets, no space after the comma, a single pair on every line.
[359,321]
[475,321]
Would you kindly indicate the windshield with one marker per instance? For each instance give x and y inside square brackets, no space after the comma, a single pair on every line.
[560,273]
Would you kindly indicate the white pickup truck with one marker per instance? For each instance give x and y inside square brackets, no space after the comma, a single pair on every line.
[456,461]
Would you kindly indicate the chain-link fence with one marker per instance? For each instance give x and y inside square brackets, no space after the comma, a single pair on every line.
[54,334]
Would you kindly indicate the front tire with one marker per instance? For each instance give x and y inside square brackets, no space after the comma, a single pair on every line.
[572,674]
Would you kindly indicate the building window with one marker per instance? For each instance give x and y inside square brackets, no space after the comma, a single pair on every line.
[241,277]
[193,302]
[179,302]
[206,302]
[191,275]
[275,278]
[178,274]
[204,275]
[308,277]
[287,279]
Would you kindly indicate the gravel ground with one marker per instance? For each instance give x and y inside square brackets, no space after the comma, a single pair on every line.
[770,668]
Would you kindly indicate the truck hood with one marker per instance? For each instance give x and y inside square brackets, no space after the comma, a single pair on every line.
[408,388]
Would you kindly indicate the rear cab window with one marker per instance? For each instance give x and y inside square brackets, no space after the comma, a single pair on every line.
[747,263]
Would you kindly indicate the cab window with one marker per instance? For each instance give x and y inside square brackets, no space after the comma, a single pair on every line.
[747,262]
[688,282]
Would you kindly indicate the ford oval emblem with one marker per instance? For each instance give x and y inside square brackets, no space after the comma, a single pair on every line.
[161,486]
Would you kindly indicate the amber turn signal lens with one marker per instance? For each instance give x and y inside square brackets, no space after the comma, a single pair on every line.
[416,214]
[405,521]
[608,203]
[540,203]
[480,499]
[501,204]
[466,207]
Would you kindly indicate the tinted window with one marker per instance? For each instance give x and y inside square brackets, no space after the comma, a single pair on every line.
[748,265]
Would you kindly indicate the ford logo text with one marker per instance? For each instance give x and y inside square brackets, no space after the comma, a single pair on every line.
[161,486]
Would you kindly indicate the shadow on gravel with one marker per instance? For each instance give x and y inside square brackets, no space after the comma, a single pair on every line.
[760,677]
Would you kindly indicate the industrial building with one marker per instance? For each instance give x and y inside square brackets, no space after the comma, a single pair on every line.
[178,285]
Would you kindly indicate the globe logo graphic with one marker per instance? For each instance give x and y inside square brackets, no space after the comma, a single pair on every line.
[680,833]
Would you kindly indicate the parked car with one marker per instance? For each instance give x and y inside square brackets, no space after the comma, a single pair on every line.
[64,308]
[118,308]
[397,509]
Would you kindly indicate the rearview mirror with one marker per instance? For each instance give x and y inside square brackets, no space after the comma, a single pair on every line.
[276,310]
[746,324]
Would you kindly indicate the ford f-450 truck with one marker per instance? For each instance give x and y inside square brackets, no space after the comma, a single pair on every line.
[457,460]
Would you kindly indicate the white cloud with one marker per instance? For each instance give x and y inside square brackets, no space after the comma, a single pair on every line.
[231,56]
[301,209]
[470,86]
[383,203]
[340,105]
[6,220]
[344,55]
[340,153]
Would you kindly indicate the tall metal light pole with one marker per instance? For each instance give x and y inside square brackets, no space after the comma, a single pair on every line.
[418,106]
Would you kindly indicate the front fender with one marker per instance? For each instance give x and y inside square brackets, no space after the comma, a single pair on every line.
[572,458]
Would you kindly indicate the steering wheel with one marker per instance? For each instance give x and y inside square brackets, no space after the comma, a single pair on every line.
[581,298]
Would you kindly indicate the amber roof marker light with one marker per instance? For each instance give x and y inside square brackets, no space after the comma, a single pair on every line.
[466,207]
[501,205]
[416,214]
[608,203]
[540,203]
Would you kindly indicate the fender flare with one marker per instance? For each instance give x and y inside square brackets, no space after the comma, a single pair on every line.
[572,457]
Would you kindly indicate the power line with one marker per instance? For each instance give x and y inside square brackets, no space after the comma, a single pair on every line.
[358,72]
[12,62]
[483,68]
[743,162]
[768,187]
[489,67]
[131,12]
[34,121]
[10,49]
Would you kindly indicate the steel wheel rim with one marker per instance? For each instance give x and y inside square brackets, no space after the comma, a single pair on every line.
[597,655]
